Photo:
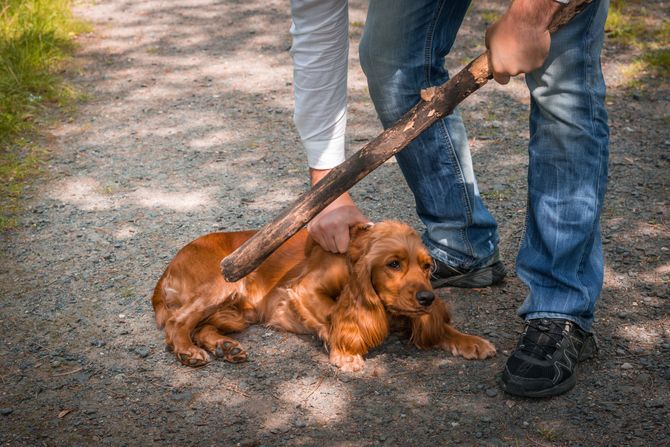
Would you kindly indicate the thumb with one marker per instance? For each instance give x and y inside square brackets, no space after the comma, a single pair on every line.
[501,78]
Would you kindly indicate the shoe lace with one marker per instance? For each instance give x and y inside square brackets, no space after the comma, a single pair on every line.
[433,268]
[544,338]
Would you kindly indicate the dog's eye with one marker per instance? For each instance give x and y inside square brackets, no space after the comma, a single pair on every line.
[395,265]
[428,266]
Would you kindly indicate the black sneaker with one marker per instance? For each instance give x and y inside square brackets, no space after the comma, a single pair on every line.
[444,275]
[545,360]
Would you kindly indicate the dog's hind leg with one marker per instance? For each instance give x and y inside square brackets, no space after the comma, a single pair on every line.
[210,338]
[233,318]
[179,328]
[184,349]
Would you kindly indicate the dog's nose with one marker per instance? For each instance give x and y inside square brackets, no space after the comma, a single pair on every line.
[425,297]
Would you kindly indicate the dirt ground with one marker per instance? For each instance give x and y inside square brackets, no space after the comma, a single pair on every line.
[188,129]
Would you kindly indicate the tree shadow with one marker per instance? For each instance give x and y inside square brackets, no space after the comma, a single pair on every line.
[189,130]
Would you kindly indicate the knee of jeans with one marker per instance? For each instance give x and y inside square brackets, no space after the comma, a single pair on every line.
[367,56]
[394,82]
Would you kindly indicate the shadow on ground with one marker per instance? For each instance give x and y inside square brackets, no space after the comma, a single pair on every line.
[189,130]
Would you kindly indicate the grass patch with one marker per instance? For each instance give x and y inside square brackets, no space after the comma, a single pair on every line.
[622,27]
[547,434]
[17,166]
[631,24]
[658,60]
[36,37]
[489,16]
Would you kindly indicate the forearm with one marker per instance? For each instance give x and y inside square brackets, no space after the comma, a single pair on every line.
[344,200]
[534,13]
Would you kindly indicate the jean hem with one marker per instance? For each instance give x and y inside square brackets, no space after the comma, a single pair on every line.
[583,324]
[453,258]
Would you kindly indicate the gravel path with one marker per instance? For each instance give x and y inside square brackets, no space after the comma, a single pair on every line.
[188,130]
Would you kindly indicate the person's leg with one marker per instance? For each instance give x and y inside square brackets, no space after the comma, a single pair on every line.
[560,258]
[320,49]
[402,51]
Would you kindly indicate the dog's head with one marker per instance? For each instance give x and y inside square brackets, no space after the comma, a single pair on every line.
[388,262]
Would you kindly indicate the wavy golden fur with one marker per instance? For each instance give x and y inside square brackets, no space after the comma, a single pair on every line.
[349,301]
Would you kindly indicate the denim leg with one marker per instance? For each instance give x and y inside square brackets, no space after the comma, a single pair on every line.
[402,51]
[561,258]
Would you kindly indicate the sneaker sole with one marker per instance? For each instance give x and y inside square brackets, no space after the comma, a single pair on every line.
[485,277]
[518,389]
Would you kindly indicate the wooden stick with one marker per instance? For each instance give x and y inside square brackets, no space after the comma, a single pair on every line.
[437,102]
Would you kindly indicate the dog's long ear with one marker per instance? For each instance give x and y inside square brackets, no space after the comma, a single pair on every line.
[359,243]
[359,266]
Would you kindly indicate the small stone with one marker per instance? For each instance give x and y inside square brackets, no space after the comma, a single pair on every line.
[6,411]
[83,377]
[643,378]
[620,351]
[142,351]
[491,392]
[626,366]
[184,396]
[300,423]
[25,365]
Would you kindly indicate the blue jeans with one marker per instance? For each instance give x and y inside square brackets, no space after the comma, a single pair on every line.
[560,259]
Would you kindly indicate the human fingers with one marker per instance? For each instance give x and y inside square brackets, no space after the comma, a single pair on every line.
[341,240]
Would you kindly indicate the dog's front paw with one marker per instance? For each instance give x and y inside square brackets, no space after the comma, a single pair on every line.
[347,362]
[192,356]
[471,347]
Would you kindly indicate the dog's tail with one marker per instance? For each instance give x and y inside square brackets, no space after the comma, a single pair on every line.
[158,301]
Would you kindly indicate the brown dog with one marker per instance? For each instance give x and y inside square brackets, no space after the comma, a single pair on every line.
[348,301]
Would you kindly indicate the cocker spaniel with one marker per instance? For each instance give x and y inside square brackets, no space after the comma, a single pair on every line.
[349,301]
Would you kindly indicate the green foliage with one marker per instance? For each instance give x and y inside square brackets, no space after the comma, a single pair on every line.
[658,60]
[36,36]
[622,27]
[19,163]
[489,16]
[631,24]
